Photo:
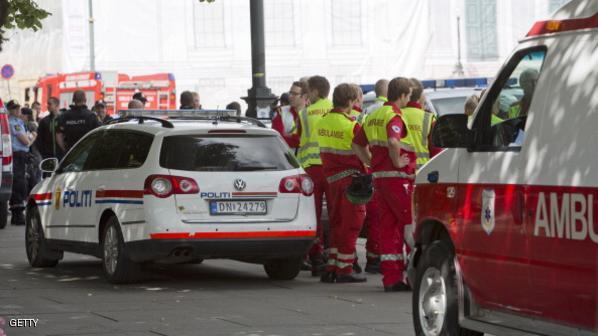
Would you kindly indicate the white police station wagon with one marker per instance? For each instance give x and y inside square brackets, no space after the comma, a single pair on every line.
[198,185]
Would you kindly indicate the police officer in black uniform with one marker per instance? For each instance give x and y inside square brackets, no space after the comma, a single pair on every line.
[76,122]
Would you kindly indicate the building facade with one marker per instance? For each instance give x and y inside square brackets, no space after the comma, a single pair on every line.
[207,46]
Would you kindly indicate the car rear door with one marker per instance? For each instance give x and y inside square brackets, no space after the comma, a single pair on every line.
[238,175]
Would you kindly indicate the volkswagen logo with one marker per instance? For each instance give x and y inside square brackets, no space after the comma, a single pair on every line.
[239,184]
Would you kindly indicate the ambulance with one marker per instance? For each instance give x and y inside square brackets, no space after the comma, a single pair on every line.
[506,217]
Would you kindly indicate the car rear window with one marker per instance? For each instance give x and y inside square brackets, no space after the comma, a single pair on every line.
[226,153]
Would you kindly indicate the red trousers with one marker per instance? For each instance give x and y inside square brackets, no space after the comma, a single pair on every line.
[346,220]
[372,223]
[320,189]
[394,208]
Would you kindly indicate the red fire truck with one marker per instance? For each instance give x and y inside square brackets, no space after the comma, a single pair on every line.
[115,89]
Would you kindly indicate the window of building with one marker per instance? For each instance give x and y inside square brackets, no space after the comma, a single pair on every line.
[208,25]
[279,23]
[346,22]
[480,29]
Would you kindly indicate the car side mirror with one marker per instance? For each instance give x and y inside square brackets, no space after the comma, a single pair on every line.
[450,131]
[48,165]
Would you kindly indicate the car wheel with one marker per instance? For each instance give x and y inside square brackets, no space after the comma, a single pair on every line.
[283,269]
[3,214]
[35,242]
[118,268]
[435,307]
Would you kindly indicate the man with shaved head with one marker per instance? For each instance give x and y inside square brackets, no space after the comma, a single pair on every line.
[73,124]
[381,90]
[135,104]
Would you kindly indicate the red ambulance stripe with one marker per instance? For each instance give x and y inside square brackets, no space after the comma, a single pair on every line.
[232,235]
[120,193]
[525,261]
[42,197]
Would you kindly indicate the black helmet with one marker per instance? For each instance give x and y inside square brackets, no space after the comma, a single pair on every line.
[361,189]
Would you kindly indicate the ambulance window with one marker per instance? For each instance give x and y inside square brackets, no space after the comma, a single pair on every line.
[501,121]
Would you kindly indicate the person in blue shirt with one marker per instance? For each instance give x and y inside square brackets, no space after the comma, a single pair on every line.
[21,141]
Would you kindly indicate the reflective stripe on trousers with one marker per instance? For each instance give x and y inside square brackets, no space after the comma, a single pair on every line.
[336,151]
[341,175]
[392,173]
[391,257]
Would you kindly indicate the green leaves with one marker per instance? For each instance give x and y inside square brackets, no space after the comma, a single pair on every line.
[24,14]
[21,14]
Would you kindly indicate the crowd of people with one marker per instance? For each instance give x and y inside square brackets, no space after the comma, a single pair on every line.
[344,147]
[37,136]
[337,142]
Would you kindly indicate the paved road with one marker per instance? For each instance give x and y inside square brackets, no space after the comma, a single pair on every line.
[218,297]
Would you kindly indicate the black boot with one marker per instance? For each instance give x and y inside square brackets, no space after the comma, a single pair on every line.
[373,266]
[18,217]
[317,265]
[398,287]
[353,277]
[328,277]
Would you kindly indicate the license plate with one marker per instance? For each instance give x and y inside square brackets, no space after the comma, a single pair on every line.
[238,208]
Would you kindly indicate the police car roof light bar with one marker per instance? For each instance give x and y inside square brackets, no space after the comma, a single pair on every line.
[203,114]
[165,123]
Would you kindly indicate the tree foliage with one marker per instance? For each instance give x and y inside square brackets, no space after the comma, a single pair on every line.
[20,14]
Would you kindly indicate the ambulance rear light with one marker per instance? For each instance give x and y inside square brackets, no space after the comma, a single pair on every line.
[5,138]
[163,186]
[559,26]
[297,184]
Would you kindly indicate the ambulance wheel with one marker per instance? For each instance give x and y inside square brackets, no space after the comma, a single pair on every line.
[283,269]
[3,214]
[118,268]
[435,305]
[35,242]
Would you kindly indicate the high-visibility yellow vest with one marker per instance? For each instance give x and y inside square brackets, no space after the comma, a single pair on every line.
[495,120]
[335,133]
[375,128]
[308,153]
[419,126]
[514,110]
